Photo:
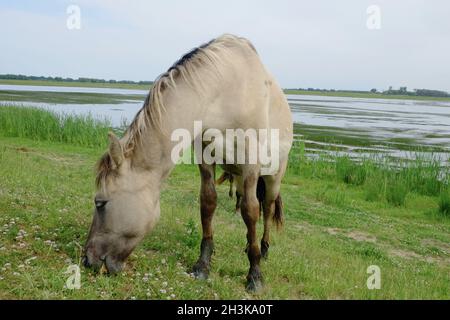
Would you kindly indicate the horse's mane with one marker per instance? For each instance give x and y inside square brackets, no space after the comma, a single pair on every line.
[210,55]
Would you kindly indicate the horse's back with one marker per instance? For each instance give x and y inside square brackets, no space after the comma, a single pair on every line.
[252,99]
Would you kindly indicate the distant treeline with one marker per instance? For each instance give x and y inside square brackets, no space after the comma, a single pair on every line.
[390,91]
[417,92]
[92,80]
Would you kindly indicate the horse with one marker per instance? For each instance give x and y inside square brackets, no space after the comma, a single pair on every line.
[224,84]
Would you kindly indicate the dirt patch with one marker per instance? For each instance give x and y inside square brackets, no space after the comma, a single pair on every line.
[302,226]
[361,236]
[354,235]
[23,149]
[411,255]
[333,231]
[444,247]
[73,159]
[405,254]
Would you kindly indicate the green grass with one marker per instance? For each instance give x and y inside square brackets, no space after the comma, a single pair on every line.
[367,95]
[349,172]
[337,224]
[382,179]
[74,84]
[68,97]
[45,125]
[444,203]
[323,251]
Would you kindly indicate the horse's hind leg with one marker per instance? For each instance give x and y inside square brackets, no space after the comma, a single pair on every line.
[208,203]
[269,209]
[239,183]
[250,214]
[272,209]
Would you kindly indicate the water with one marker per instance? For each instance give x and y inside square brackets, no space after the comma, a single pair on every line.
[366,126]
[426,122]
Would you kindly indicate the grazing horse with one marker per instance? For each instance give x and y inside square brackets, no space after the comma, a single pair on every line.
[224,84]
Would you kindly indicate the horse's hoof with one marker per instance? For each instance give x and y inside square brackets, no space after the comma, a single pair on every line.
[254,285]
[200,271]
[254,281]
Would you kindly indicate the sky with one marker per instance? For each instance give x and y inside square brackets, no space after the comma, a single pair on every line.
[321,44]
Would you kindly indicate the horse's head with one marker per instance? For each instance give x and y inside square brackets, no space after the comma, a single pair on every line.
[126,208]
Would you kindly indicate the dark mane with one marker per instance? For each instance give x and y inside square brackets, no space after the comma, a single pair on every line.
[188,56]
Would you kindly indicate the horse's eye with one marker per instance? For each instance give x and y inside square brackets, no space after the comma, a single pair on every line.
[99,204]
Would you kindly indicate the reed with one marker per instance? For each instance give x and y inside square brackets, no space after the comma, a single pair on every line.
[40,124]
[380,177]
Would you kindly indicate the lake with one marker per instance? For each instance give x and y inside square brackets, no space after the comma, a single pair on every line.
[355,126]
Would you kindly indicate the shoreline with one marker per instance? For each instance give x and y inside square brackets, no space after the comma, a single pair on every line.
[348,94]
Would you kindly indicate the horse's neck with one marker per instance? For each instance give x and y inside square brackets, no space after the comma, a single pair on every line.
[155,151]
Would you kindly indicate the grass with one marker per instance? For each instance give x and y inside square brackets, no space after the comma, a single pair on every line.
[75,84]
[367,95]
[45,125]
[444,203]
[68,97]
[341,217]
[382,179]
[350,173]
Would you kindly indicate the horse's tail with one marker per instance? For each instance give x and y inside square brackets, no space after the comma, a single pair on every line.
[278,217]
[261,193]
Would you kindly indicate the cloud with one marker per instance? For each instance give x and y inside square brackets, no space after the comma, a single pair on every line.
[303,43]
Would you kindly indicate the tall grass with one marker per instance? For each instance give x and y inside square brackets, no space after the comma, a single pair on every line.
[349,172]
[41,124]
[444,203]
[381,178]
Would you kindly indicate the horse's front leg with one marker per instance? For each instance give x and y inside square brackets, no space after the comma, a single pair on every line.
[208,203]
[250,214]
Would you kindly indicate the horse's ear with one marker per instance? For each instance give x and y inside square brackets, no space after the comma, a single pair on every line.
[115,149]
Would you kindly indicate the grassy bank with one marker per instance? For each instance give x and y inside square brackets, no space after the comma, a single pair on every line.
[387,180]
[147,87]
[367,95]
[68,97]
[75,84]
[341,217]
